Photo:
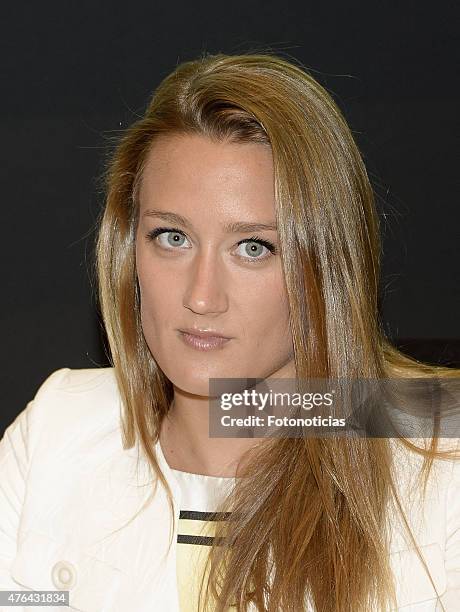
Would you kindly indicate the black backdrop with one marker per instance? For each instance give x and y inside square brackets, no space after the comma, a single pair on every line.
[74,74]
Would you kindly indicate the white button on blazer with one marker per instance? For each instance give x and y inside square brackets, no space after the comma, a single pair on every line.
[68,490]
[64,575]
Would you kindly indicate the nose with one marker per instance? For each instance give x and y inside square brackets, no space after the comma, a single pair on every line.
[206,292]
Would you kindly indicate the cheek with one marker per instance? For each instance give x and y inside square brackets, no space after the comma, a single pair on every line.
[270,297]
[156,301]
[267,313]
[155,291]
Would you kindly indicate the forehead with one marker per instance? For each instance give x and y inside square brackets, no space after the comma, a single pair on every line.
[192,173]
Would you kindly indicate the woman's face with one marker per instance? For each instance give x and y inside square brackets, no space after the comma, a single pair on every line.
[198,272]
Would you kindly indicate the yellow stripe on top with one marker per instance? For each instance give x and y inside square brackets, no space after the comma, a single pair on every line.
[194,539]
[196,530]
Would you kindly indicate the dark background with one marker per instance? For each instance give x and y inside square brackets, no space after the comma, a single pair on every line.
[75,74]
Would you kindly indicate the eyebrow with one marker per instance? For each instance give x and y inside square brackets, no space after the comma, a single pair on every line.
[229,228]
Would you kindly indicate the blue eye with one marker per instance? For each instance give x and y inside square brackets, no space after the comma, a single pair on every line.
[176,240]
[256,245]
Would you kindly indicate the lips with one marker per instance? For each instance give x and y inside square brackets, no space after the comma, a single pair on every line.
[201,333]
[203,341]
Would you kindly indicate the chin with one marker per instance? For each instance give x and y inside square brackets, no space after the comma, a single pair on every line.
[199,388]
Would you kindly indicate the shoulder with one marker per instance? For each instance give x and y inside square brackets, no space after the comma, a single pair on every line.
[435,512]
[434,520]
[77,381]
[68,389]
[69,402]
[408,464]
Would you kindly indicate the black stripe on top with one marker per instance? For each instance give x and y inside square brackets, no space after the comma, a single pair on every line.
[197,515]
[198,540]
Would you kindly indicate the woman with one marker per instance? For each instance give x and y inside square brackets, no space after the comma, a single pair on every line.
[239,240]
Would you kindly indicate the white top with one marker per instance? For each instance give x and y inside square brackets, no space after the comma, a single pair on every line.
[77,511]
[200,495]
[201,492]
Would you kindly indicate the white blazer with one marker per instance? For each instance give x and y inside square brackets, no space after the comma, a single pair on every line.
[66,483]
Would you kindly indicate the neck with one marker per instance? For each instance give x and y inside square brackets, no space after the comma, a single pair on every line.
[186,444]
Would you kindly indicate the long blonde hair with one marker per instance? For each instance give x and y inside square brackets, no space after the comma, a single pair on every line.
[313,509]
